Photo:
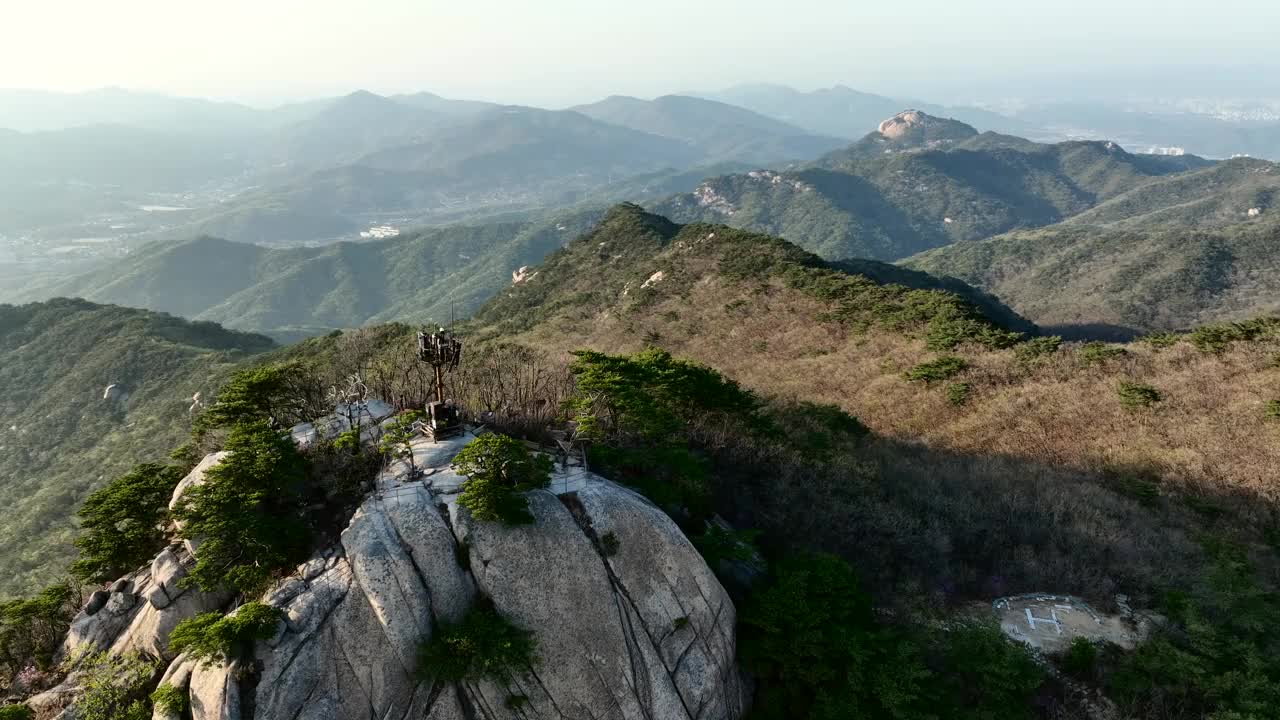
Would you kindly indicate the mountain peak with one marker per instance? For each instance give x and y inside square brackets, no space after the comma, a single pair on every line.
[912,122]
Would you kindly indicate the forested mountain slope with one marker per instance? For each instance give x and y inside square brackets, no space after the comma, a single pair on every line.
[64,434]
[770,316]
[1180,251]
[430,274]
[1123,281]
[927,183]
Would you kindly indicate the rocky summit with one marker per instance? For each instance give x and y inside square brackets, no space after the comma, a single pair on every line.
[633,627]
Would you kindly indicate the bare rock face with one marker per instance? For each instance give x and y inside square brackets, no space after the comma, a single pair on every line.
[98,624]
[193,478]
[214,693]
[165,606]
[644,632]
[629,621]
[355,620]
[918,128]
[902,123]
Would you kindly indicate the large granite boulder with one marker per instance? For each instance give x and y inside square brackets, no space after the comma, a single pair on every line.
[354,621]
[193,478]
[166,605]
[629,621]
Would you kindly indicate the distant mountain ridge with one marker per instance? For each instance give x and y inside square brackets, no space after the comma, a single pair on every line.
[722,131]
[1176,252]
[928,183]
[294,292]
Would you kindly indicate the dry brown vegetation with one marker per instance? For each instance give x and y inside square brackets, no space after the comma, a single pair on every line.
[1040,480]
[1210,433]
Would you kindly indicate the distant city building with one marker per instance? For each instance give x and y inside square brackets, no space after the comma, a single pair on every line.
[1167,151]
[380,231]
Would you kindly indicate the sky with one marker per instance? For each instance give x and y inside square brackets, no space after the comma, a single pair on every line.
[559,52]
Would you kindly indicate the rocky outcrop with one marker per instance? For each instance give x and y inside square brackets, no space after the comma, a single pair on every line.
[193,478]
[635,626]
[134,617]
[140,610]
[629,621]
[916,128]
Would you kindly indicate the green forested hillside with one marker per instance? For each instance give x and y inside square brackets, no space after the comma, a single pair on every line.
[871,412]
[60,438]
[1124,280]
[426,275]
[1221,194]
[894,205]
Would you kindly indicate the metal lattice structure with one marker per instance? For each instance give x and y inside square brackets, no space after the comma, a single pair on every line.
[442,351]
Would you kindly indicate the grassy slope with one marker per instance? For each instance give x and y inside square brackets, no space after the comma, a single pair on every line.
[1041,464]
[60,439]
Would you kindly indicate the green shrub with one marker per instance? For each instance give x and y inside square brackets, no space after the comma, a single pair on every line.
[398,435]
[944,367]
[348,441]
[32,629]
[811,640]
[122,523]
[1273,410]
[958,393]
[984,674]
[169,699]
[1036,348]
[819,429]
[1081,659]
[1161,340]
[718,543]
[645,411]
[1215,655]
[282,392]
[610,544]
[498,469]
[213,637]
[1135,396]
[114,687]
[248,514]
[1141,484]
[484,645]
[1217,338]
[1096,353]
[650,395]
[15,712]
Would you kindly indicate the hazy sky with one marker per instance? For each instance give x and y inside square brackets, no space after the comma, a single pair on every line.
[563,51]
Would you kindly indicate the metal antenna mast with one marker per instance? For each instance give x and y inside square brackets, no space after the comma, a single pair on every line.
[442,351]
